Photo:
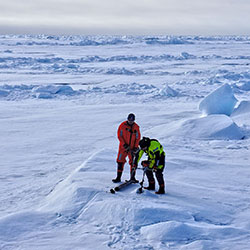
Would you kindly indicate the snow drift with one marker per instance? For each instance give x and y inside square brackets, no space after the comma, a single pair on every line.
[211,127]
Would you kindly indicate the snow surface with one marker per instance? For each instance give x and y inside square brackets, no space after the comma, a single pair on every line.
[61,102]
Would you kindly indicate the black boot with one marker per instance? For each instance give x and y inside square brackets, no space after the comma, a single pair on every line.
[161,190]
[151,186]
[118,178]
[119,172]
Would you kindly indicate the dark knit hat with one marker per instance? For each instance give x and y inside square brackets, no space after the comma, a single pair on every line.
[131,117]
[144,142]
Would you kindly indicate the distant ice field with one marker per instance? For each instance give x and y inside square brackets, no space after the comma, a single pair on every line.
[79,60]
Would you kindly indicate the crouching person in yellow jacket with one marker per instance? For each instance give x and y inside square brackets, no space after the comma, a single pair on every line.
[155,162]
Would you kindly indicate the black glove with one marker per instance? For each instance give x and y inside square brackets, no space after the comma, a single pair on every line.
[145,164]
[126,146]
[135,150]
[155,168]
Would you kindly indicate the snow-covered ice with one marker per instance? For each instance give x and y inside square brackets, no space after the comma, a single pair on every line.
[62,99]
[211,127]
[220,101]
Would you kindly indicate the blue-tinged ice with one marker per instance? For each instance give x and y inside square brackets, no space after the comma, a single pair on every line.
[220,101]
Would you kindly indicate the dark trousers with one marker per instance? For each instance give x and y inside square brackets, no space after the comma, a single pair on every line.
[158,174]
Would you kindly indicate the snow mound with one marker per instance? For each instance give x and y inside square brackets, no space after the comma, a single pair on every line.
[73,193]
[145,217]
[210,127]
[171,231]
[187,232]
[168,91]
[220,101]
[49,91]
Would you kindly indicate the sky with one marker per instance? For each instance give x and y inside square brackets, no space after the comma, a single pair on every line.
[125,17]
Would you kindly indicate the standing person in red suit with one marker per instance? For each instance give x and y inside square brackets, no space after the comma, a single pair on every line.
[129,136]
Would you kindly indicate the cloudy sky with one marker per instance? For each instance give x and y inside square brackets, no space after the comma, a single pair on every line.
[120,17]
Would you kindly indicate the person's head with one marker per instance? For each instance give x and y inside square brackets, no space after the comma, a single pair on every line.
[131,118]
[144,143]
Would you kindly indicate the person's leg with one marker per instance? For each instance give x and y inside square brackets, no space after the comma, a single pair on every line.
[121,160]
[120,166]
[151,180]
[160,179]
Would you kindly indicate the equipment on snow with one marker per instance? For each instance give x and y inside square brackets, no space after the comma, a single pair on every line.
[127,182]
[121,186]
[133,171]
[134,166]
[140,190]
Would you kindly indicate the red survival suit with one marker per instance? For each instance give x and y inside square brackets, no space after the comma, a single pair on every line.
[129,137]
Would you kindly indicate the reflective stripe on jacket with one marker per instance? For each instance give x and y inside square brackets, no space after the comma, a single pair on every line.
[155,153]
[128,134]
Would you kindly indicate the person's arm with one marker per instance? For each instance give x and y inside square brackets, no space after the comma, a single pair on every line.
[138,136]
[120,133]
[138,156]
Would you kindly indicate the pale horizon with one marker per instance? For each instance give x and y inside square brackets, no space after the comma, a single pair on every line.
[118,17]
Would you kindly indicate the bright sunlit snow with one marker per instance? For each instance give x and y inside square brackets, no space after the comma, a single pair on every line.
[61,102]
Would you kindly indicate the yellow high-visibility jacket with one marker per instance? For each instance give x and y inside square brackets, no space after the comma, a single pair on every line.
[155,153]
